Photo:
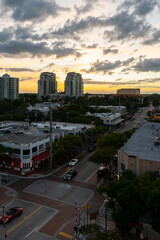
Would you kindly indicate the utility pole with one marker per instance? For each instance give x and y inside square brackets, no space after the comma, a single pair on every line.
[4,224]
[106,212]
[50,149]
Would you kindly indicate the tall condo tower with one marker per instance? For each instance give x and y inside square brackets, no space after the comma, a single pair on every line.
[9,87]
[47,84]
[74,84]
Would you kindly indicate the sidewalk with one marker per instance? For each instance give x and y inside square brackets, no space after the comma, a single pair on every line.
[6,195]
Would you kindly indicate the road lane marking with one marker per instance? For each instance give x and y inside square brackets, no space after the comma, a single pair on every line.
[31,232]
[65,235]
[18,224]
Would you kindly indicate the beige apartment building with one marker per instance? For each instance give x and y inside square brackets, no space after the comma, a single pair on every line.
[141,153]
[128,91]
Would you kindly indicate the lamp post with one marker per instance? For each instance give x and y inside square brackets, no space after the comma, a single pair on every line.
[106,212]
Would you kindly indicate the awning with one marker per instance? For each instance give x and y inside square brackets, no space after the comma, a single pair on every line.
[10,159]
[41,156]
[15,160]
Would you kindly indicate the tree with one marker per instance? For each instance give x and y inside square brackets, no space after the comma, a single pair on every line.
[128,175]
[104,156]
[6,150]
[66,147]
[115,140]
[132,197]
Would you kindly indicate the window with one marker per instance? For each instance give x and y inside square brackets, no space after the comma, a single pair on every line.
[26,152]
[26,165]
[17,151]
[34,149]
[41,147]
[122,166]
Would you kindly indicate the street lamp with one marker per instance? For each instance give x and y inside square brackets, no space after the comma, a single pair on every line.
[106,212]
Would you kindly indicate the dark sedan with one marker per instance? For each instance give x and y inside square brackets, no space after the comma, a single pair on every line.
[11,214]
[102,171]
[69,175]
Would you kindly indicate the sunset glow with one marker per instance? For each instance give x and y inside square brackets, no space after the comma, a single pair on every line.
[113,44]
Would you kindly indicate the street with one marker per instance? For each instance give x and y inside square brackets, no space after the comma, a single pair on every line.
[49,202]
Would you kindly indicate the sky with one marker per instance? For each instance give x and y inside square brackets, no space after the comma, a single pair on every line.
[113,43]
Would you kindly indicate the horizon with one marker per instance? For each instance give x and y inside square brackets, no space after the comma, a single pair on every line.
[113,44]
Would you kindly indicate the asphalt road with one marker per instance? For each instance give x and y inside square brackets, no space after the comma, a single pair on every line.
[48,196]
[32,219]
[63,192]
[136,123]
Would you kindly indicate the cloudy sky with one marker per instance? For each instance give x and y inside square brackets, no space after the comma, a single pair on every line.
[112,43]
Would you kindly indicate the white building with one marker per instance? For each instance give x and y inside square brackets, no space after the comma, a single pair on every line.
[43,107]
[9,87]
[30,142]
[113,109]
[47,84]
[74,85]
[109,119]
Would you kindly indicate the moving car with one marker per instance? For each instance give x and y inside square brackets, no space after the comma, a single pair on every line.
[102,171]
[11,214]
[69,175]
[73,162]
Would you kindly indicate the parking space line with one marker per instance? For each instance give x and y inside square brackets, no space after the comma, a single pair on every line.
[18,224]
[31,232]
[65,235]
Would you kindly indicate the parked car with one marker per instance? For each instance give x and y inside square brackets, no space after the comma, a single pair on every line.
[132,119]
[69,175]
[102,171]
[11,214]
[92,148]
[73,162]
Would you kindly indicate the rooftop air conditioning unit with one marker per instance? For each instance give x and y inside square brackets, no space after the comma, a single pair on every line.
[157,141]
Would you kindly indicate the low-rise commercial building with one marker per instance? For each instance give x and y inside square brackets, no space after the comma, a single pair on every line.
[113,109]
[141,153]
[109,119]
[43,107]
[29,143]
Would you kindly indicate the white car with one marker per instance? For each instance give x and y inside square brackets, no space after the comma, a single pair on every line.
[73,162]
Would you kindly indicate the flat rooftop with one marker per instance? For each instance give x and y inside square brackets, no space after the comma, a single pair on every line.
[25,138]
[141,143]
[15,133]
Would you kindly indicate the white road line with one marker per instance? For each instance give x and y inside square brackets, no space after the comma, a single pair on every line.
[31,232]
[6,205]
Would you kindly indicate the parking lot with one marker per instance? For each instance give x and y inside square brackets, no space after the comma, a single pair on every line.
[26,226]
[60,191]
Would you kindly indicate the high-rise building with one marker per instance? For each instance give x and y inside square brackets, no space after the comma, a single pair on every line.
[9,87]
[47,84]
[74,84]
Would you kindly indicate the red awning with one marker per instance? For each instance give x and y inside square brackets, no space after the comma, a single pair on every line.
[8,158]
[41,156]
[15,160]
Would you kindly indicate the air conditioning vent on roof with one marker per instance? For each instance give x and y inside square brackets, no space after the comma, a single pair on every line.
[157,141]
